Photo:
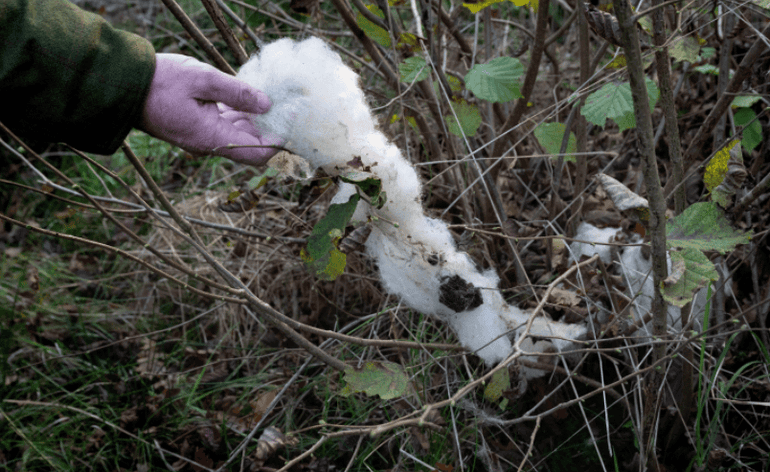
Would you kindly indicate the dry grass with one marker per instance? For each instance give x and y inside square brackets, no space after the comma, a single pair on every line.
[111,366]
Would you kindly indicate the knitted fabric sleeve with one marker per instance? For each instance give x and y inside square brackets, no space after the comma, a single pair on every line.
[67,75]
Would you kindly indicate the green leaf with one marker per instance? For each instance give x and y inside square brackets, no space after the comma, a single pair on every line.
[745,101]
[260,180]
[374,32]
[370,186]
[386,379]
[321,254]
[685,48]
[497,80]
[469,116]
[614,101]
[708,52]
[762,3]
[703,227]
[413,69]
[455,85]
[550,136]
[707,69]
[698,271]
[752,133]
[500,382]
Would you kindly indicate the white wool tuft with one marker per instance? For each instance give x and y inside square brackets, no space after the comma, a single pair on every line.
[589,232]
[321,112]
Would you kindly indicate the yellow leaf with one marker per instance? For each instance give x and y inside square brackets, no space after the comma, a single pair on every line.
[336,265]
[717,168]
[477,7]
[617,63]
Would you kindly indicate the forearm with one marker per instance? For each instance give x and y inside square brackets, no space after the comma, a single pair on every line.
[67,75]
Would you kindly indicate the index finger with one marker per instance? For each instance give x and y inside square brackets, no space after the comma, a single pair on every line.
[216,86]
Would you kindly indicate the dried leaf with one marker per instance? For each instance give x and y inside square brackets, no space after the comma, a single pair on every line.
[603,24]
[356,240]
[685,48]
[271,440]
[203,459]
[33,279]
[560,296]
[678,267]
[624,199]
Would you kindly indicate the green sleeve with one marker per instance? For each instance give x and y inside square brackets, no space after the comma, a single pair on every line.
[67,75]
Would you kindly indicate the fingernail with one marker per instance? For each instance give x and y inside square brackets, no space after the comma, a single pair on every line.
[263,102]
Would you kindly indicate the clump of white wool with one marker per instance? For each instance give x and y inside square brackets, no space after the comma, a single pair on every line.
[321,112]
[636,269]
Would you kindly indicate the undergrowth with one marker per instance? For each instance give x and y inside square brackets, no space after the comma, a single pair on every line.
[107,364]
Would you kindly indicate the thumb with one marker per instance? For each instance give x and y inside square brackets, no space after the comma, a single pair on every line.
[233,92]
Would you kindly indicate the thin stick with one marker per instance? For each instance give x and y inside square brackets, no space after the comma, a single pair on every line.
[198,36]
[529,79]
[531,444]
[122,253]
[723,103]
[224,29]
[238,21]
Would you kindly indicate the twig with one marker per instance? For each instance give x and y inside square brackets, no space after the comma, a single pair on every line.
[224,29]
[529,79]
[267,412]
[136,237]
[122,253]
[369,15]
[753,194]
[130,233]
[630,40]
[581,127]
[723,103]
[563,28]
[517,352]
[531,444]
[238,21]
[667,102]
[198,36]
[299,458]
[580,378]
[454,29]
[136,208]
[371,48]
[279,320]
[159,194]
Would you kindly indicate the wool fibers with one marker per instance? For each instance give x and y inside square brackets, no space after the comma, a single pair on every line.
[320,111]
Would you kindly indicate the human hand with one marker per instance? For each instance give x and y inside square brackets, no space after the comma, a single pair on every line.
[182,109]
